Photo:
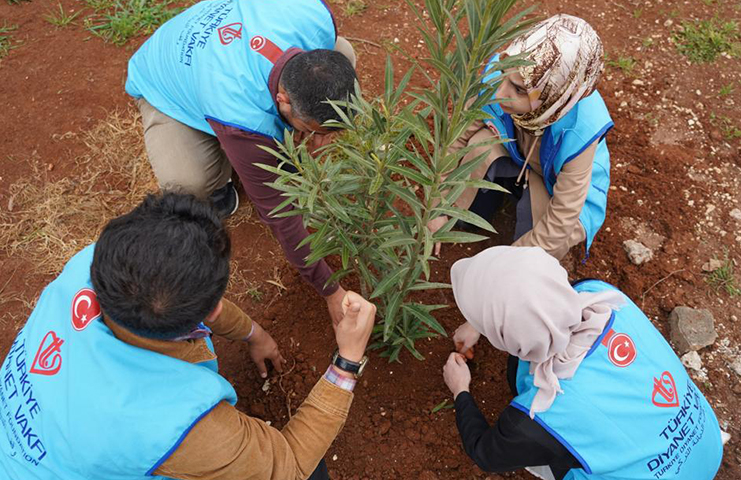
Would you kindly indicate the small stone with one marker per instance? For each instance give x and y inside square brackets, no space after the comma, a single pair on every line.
[692,361]
[335,457]
[668,23]
[637,252]
[691,329]
[712,265]
[736,366]
[384,426]
[736,214]
[638,82]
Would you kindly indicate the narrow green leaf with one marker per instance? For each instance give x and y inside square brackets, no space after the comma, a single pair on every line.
[389,281]
[466,216]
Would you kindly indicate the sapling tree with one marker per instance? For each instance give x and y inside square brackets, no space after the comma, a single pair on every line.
[369,195]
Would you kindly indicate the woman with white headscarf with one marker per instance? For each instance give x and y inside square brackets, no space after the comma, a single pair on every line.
[553,122]
[599,393]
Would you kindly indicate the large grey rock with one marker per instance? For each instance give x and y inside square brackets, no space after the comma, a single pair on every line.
[637,252]
[736,366]
[691,329]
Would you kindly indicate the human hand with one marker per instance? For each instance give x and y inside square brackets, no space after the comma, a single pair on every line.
[465,337]
[334,305]
[434,226]
[354,330]
[456,374]
[262,347]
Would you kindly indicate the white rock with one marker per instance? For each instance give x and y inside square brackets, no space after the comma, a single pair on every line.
[736,214]
[692,361]
[637,252]
[638,82]
[736,366]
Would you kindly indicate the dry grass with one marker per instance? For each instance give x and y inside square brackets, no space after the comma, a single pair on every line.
[46,222]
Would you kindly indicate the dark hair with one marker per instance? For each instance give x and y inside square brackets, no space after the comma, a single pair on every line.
[311,78]
[160,270]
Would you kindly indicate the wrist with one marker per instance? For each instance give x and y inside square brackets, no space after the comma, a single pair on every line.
[455,394]
[352,355]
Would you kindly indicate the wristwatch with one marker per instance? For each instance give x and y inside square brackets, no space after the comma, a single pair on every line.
[356,368]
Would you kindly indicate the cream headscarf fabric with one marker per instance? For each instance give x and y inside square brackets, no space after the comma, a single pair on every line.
[567,62]
[521,300]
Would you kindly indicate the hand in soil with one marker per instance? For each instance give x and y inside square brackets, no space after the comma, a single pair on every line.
[467,353]
[353,331]
[334,305]
[464,338]
[456,374]
[434,226]
[263,347]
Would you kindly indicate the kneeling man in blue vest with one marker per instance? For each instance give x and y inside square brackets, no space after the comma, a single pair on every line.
[223,79]
[114,375]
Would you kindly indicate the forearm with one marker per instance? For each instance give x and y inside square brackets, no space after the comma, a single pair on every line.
[233,323]
[315,425]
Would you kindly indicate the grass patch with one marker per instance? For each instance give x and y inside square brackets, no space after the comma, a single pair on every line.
[702,41]
[726,90]
[117,21]
[625,64]
[647,42]
[61,19]
[723,278]
[46,222]
[354,7]
[729,129]
[6,40]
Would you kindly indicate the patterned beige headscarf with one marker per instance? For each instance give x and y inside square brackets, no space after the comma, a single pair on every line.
[567,62]
[520,299]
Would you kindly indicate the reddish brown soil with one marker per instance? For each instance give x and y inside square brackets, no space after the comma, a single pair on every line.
[667,174]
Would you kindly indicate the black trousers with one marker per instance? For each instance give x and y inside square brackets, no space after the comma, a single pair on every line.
[321,472]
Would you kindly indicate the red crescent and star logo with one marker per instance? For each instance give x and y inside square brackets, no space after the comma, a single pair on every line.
[85,309]
[621,350]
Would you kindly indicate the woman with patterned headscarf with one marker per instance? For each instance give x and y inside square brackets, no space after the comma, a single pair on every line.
[598,392]
[552,122]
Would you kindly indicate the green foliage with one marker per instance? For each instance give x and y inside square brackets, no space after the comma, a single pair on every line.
[6,40]
[442,405]
[723,278]
[729,129]
[726,90]
[702,41]
[117,21]
[370,194]
[626,64]
[354,7]
[61,19]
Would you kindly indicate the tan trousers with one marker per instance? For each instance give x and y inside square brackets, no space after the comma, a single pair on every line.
[188,160]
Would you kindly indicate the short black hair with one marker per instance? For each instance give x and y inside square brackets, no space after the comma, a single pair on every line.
[311,78]
[159,270]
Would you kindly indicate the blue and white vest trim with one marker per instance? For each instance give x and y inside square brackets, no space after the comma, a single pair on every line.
[630,412]
[77,403]
[587,122]
[213,61]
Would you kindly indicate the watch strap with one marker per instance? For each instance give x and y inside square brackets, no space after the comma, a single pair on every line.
[345,364]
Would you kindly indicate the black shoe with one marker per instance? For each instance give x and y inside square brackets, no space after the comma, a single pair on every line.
[225,200]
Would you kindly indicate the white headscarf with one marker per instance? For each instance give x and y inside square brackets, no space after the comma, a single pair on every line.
[567,62]
[521,300]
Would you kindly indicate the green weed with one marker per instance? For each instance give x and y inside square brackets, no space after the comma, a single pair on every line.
[726,90]
[354,7]
[729,129]
[117,21]
[255,294]
[704,40]
[648,42]
[442,405]
[637,13]
[624,64]
[724,279]
[6,41]
[61,19]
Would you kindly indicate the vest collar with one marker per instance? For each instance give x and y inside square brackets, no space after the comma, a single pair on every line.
[275,73]
[193,351]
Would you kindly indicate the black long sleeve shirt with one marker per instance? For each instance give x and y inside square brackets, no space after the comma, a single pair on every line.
[514,442]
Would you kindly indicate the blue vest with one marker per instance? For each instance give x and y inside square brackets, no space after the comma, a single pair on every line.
[587,122]
[77,403]
[630,411]
[213,61]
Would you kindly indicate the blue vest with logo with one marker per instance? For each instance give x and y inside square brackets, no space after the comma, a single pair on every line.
[587,122]
[631,411]
[77,403]
[213,61]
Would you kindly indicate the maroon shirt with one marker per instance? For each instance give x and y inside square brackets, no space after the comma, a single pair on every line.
[244,153]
